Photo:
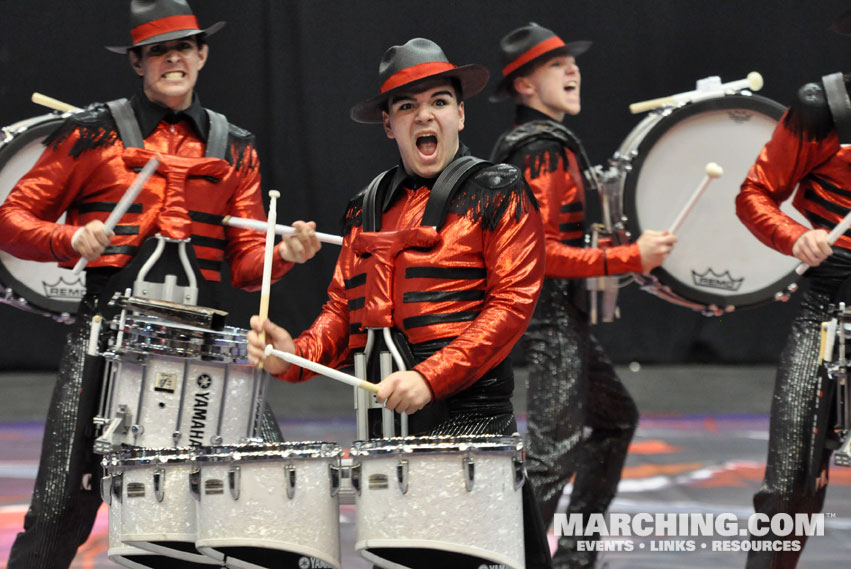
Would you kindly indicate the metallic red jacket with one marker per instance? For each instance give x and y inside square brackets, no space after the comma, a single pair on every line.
[475,281]
[187,197]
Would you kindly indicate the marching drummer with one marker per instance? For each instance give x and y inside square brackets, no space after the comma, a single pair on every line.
[209,169]
[808,150]
[572,384]
[453,263]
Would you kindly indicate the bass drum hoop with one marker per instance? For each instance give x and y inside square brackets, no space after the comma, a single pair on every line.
[764,105]
[39,130]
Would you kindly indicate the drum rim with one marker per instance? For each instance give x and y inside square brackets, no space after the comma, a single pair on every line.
[19,140]
[765,295]
[268,450]
[438,444]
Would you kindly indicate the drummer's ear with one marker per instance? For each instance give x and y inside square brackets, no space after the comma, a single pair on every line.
[523,86]
[135,61]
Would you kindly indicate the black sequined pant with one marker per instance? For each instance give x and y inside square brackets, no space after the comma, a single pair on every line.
[786,487]
[581,418]
[62,511]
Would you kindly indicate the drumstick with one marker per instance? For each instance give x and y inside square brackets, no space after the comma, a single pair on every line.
[267,262]
[834,234]
[52,103]
[753,82]
[287,230]
[321,369]
[713,171]
[124,203]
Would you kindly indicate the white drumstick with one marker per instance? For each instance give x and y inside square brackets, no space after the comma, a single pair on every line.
[267,261]
[52,103]
[285,230]
[834,234]
[124,204]
[321,369]
[713,171]
[753,82]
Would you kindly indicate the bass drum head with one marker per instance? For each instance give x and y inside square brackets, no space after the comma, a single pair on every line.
[716,261]
[43,286]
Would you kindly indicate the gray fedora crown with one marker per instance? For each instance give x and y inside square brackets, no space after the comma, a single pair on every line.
[403,66]
[165,23]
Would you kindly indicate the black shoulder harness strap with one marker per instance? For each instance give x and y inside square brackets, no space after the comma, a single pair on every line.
[444,188]
[125,120]
[840,105]
[131,135]
[371,210]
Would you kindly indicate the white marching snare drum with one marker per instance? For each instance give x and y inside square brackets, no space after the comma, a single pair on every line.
[270,505]
[172,385]
[151,508]
[439,501]
[717,265]
[43,288]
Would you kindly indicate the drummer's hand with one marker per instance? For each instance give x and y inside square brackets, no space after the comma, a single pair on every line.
[404,392]
[301,246]
[654,247]
[90,240]
[812,247]
[275,335]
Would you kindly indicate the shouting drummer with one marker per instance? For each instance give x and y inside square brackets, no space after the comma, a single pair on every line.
[572,384]
[808,151]
[89,162]
[446,250]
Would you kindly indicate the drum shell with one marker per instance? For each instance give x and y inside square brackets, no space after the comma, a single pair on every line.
[436,511]
[263,516]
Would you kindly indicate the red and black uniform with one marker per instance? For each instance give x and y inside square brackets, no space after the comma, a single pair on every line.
[804,151]
[84,171]
[572,384]
[461,295]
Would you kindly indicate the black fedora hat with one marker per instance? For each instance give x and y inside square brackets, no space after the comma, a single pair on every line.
[154,21]
[842,23]
[523,47]
[415,61]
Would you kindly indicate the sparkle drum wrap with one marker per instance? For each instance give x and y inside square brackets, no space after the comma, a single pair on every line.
[177,385]
[271,505]
[439,501]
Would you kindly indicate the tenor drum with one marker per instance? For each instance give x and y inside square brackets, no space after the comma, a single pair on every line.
[173,385]
[270,505]
[717,265]
[151,509]
[38,287]
[439,502]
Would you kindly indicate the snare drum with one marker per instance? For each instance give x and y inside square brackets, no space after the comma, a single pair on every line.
[151,506]
[172,385]
[270,505]
[717,265]
[439,501]
[38,287]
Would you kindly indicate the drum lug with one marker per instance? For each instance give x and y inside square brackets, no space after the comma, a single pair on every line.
[335,479]
[216,440]
[289,480]
[354,470]
[469,467]
[175,436]
[118,485]
[159,484]
[195,483]
[233,482]
[519,473]
[402,475]
[105,486]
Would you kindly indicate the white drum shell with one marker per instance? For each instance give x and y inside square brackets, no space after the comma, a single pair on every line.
[263,516]
[437,511]
[119,552]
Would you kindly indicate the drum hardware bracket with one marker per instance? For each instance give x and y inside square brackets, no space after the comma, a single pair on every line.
[469,467]
[519,473]
[290,480]
[233,481]
[402,475]
[335,471]
[117,486]
[120,424]
[195,483]
[216,440]
[159,484]
[105,487]
[199,316]
[355,470]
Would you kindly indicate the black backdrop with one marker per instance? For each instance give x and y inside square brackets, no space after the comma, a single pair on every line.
[288,70]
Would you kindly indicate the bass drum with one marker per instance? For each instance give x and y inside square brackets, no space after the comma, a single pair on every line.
[37,287]
[717,265]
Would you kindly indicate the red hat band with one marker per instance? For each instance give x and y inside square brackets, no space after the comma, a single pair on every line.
[415,73]
[550,44]
[164,26]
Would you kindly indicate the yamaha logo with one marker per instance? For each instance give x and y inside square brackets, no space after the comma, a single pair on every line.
[711,279]
[205,381]
[312,563]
